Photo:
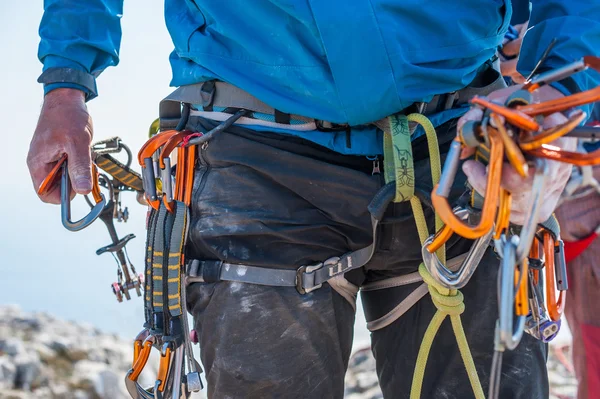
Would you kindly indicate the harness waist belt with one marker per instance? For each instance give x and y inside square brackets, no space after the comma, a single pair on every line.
[213,94]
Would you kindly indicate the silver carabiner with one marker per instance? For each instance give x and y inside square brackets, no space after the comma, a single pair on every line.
[460,278]
[508,336]
[65,208]
[531,222]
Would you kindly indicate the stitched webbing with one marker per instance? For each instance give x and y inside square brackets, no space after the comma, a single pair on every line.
[397,146]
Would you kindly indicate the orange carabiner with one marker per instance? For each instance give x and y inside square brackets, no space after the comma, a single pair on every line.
[513,153]
[153,144]
[141,359]
[503,217]
[522,296]
[554,153]
[492,194]
[561,104]
[52,178]
[513,116]
[555,307]
[440,238]
[549,135]
[170,145]
[534,253]
[163,369]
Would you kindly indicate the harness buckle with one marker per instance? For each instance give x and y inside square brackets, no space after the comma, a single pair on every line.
[302,273]
[305,275]
[324,126]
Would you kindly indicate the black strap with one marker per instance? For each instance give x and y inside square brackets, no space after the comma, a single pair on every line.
[69,75]
[282,117]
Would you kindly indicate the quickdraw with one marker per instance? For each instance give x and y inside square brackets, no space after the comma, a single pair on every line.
[512,131]
[118,177]
[166,326]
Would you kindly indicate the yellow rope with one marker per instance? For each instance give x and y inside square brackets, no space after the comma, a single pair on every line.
[448,302]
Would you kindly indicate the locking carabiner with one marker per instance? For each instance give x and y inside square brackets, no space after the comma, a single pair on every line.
[61,169]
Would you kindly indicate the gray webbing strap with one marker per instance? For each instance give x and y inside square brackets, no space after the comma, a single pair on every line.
[305,278]
[158,260]
[175,251]
[152,218]
[216,94]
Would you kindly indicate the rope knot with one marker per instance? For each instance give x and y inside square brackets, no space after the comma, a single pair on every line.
[447,301]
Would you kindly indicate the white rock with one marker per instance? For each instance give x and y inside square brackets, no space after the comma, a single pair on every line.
[8,373]
[12,346]
[106,383]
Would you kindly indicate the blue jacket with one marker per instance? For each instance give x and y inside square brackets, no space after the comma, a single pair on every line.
[343,61]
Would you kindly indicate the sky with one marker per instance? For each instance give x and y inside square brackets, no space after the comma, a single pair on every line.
[43,266]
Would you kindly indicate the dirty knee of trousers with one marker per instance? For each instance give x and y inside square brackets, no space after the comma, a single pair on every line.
[259,341]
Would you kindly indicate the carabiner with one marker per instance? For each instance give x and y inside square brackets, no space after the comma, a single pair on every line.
[439,196]
[512,150]
[531,220]
[561,104]
[515,117]
[549,135]
[503,217]
[163,369]
[508,335]
[458,279]
[562,72]
[555,306]
[554,153]
[65,195]
[145,160]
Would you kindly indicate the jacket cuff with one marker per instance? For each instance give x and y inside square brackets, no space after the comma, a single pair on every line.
[54,78]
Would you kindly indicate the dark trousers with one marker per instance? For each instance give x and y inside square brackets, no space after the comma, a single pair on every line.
[279,201]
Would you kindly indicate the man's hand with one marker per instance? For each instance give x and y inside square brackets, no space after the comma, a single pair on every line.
[513,48]
[64,127]
[558,173]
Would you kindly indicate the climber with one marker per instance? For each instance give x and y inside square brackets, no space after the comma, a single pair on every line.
[288,185]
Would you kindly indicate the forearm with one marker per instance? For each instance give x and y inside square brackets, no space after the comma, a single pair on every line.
[78,40]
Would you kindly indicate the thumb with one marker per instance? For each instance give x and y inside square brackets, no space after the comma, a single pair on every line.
[80,170]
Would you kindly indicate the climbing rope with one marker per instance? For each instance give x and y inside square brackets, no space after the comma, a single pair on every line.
[449,302]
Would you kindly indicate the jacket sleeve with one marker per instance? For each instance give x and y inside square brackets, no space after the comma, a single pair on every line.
[78,40]
[576,26]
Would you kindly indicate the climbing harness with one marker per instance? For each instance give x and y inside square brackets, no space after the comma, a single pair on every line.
[500,134]
[117,177]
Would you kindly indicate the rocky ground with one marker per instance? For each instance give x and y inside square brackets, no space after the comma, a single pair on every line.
[43,357]
[361,381]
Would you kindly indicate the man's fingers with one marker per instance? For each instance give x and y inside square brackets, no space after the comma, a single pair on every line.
[513,182]
[476,174]
[80,170]
[553,120]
